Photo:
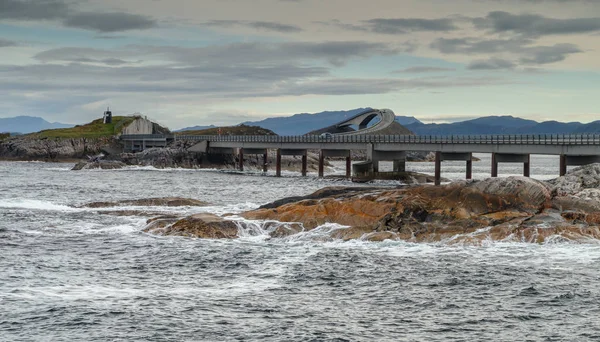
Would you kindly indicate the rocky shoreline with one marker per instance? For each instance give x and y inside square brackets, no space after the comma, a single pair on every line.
[512,209]
[498,209]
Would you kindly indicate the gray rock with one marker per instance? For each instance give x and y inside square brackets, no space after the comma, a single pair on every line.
[102,164]
[528,190]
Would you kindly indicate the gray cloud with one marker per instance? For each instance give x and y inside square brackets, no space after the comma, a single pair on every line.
[423,69]
[549,54]
[219,81]
[476,46]
[336,53]
[63,12]
[6,43]
[259,25]
[491,64]
[109,22]
[395,25]
[535,25]
[407,25]
[521,47]
[32,9]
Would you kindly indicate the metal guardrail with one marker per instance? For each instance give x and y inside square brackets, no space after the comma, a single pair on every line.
[526,139]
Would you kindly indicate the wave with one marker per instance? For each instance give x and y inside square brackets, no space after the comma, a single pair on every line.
[33,204]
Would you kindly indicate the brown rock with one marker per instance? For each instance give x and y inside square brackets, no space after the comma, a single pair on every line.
[153,202]
[204,226]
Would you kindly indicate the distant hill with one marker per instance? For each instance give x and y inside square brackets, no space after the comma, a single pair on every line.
[231,130]
[94,129]
[503,125]
[299,124]
[195,128]
[28,124]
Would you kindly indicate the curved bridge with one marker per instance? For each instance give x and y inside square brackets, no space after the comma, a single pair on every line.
[385,125]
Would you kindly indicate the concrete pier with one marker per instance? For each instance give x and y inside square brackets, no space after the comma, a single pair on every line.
[510,158]
[448,156]
[265,162]
[349,166]
[278,163]
[571,160]
[334,153]
[291,152]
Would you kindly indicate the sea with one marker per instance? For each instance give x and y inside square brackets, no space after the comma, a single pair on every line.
[70,273]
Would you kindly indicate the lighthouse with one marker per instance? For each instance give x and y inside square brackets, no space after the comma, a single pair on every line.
[107,116]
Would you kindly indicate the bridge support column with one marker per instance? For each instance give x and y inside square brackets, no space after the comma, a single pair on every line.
[304,164]
[455,156]
[438,168]
[566,160]
[321,164]
[348,166]
[333,153]
[241,161]
[265,162]
[510,158]
[278,164]
[469,174]
[494,165]
[399,166]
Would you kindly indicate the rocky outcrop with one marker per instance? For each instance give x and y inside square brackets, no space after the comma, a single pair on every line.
[513,208]
[153,202]
[32,148]
[101,164]
[177,156]
[204,226]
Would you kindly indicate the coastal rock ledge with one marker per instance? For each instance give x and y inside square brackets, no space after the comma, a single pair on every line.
[514,209]
[204,226]
[500,209]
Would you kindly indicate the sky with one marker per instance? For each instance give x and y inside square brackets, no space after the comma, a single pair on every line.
[223,62]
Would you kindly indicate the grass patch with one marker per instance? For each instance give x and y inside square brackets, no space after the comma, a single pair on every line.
[94,129]
[231,130]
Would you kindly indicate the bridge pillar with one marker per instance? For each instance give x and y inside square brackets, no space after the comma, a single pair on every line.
[265,162]
[563,165]
[278,164]
[469,174]
[399,166]
[510,158]
[241,161]
[321,164]
[397,157]
[456,156]
[438,168]
[494,165]
[566,160]
[349,166]
[334,153]
[304,164]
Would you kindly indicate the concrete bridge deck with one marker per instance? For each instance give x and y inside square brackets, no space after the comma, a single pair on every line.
[578,149]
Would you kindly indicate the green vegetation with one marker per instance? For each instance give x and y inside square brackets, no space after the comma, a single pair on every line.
[4,136]
[94,129]
[231,130]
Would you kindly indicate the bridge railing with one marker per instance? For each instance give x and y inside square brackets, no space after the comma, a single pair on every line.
[505,139]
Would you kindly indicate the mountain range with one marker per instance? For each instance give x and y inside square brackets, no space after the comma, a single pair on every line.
[504,125]
[299,124]
[28,124]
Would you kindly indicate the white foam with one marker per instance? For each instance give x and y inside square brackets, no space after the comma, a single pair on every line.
[33,204]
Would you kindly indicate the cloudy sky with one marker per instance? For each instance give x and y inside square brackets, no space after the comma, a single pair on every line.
[221,62]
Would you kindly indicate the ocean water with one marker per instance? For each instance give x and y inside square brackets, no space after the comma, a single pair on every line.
[78,274]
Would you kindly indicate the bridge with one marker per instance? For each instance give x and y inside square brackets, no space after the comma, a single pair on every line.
[581,149]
